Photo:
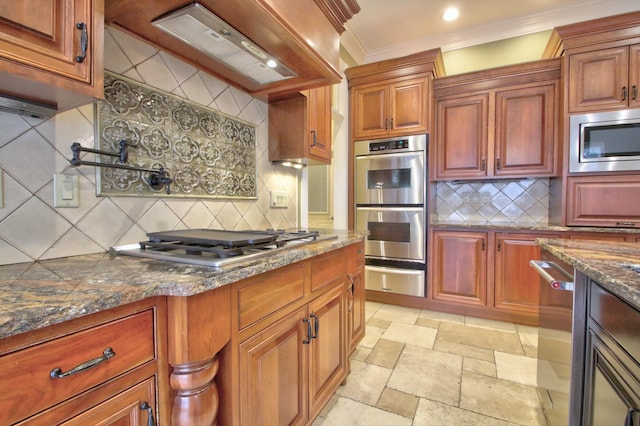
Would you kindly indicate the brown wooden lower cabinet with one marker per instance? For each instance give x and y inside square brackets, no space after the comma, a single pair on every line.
[43,382]
[486,274]
[283,366]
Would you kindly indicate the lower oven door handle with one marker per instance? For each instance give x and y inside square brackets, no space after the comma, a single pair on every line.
[562,281]
[396,271]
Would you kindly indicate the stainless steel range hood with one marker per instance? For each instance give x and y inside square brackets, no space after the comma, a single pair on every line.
[200,28]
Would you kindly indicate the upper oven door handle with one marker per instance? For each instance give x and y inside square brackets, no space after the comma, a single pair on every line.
[387,154]
[561,281]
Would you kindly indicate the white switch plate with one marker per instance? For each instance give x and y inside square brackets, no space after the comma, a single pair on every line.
[279,199]
[65,190]
[1,191]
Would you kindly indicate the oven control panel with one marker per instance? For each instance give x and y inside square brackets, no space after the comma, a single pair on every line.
[389,145]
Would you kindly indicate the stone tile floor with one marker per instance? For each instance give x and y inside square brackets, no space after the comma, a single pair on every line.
[419,367]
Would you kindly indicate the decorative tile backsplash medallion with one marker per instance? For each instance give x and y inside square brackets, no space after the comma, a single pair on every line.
[508,201]
[207,154]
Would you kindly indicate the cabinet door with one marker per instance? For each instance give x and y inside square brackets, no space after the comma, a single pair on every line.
[328,358]
[273,366]
[634,76]
[320,124]
[525,131]
[460,267]
[370,112]
[598,80]
[604,201]
[517,285]
[408,106]
[612,393]
[461,137]
[124,409]
[44,34]
[356,313]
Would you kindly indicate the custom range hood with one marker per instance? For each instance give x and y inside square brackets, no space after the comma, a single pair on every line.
[201,29]
[236,40]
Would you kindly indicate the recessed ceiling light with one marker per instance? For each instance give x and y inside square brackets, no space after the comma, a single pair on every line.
[451,14]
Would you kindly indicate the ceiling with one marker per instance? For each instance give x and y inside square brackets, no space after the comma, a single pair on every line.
[386,29]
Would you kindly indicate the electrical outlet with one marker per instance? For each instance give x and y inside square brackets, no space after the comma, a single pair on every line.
[1,191]
[279,199]
[65,190]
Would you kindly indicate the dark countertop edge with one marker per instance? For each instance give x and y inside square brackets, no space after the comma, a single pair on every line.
[532,227]
[601,261]
[18,321]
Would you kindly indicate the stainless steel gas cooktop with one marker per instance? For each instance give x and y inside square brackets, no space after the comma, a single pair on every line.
[216,248]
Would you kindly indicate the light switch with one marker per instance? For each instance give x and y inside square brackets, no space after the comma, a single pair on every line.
[65,190]
[279,199]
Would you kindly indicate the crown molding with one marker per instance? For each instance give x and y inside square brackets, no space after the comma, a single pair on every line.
[498,30]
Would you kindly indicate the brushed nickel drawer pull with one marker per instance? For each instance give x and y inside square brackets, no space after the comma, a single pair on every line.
[57,373]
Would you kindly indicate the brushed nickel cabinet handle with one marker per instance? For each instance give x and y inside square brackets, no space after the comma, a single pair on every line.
[497,164]
[483,165]
[57,373]
[308,339]
[634,92]
[84,42]
[624,93]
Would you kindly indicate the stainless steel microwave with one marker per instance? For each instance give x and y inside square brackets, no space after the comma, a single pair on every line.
[605,141]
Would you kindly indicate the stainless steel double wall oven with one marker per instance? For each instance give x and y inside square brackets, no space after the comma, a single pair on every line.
[390,197]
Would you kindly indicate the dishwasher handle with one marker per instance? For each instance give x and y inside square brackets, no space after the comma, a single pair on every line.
[562,281]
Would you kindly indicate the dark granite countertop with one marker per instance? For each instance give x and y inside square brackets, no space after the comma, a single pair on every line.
[603,261]
[510,226]
[38,294]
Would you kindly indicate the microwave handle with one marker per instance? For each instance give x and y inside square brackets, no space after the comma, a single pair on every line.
[388,154]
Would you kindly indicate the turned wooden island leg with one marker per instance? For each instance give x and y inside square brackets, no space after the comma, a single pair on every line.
[198,328]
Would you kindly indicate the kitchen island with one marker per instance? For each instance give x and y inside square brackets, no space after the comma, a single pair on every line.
[156,328]
[605,364]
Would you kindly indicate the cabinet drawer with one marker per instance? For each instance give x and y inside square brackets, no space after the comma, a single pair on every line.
[604,201]
[259,298]
[26,374]
[327,269]
[617,318]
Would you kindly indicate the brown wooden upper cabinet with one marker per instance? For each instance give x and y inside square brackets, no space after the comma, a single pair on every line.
[300,128]
[391,108]
[393,97]
[497,123]
[52,52]
[604,79]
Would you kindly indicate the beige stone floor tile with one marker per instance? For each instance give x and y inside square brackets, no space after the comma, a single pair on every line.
[397,314]
[478,366]
[427,322]
[481,338]
[441,316]
[398,402]
[360,354]
[428,374]
[385,353]
[371,336]
[411,334]
[438,414]
[512,402]
[365,383]
[491,324]
[482,354]
[370,308]
[347,412]
[380,323]
[516,368]
[529,342]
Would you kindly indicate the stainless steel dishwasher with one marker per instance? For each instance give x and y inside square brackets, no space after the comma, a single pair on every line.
[555,337]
